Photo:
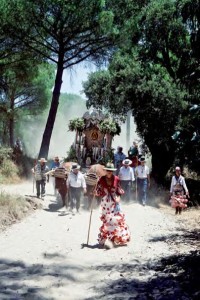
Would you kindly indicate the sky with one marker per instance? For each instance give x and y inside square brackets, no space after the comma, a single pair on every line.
[72,79]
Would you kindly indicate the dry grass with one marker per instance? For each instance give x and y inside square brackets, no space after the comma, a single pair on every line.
[14,208]
[9,172]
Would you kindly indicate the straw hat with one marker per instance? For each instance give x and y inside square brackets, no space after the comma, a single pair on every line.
[42,159]
[142,158]
[126,162]
[75,167]
[110,167]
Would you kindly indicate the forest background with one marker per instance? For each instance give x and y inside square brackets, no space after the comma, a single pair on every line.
[147,53]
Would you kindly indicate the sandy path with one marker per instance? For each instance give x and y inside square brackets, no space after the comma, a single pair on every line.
[42,257]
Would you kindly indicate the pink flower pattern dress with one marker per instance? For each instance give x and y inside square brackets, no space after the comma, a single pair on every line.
[114,227]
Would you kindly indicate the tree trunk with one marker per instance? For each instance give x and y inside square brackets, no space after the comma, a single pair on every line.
[128,129]
[44,149]
[11,123]
[162,160]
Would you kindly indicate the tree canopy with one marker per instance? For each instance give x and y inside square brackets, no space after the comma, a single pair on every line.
[157,77]
[60,31]
[152,52]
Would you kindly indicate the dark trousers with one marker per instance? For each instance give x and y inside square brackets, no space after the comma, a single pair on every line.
[60,185]
[40,187]
[126,186]
[142,189]
[75,197]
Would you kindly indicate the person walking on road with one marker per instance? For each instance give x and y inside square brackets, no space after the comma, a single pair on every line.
[119,156]
[55,164]
[178,191]
[143,180]
[133,155]
[39,172]
[76,184]
[126,177]
[114,230]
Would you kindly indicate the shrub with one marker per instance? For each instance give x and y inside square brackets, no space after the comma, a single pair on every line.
[14,208]
[5,153]
[8,172]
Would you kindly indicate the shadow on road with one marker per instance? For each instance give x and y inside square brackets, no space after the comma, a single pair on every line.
[173,277]
[53,206]
[20,281]
[96,246]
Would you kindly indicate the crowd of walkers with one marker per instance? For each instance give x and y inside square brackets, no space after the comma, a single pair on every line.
[121,177]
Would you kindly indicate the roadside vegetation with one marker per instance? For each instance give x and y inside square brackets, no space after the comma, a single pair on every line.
[9,172]
[13,208]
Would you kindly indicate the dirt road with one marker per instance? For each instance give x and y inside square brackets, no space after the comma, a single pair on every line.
[45,256]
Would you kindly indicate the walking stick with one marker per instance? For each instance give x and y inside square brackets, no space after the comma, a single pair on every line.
[35,163]
[33,183]
[136,188]
[91,210]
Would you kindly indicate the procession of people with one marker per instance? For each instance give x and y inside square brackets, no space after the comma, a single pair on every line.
[120,181]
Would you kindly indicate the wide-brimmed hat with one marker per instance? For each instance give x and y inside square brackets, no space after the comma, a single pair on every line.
[126,162]
[110,167]
[42,159]
[75,167]
[142,158]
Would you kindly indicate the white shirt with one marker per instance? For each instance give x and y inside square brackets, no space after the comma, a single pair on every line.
[126,173]
[142,171]
[180,180]
[76,180]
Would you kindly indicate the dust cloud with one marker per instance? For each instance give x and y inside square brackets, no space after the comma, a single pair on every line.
[121,140]
[32,129]
[61,140]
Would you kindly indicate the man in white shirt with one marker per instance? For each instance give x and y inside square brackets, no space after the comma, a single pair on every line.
[76,183]
[126,177]
[143,180]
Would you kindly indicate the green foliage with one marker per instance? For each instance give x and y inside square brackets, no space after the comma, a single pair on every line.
[5,153]
[187,138]
[96,88]
[26,87]
[9,169]
[71,155]
[156,75]
[9,172]
[109,126]
[76,124]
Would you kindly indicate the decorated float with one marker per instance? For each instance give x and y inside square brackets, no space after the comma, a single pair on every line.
[94,133]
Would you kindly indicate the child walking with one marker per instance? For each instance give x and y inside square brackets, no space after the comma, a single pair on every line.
[178,191]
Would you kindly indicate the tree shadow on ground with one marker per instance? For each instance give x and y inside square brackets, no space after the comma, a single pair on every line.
[173,277]
[54,206]
[21,281]
[185,236]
